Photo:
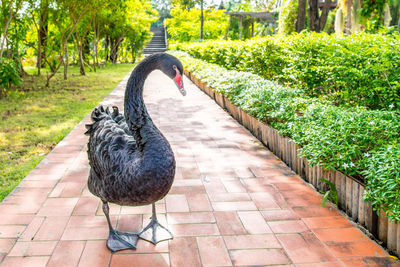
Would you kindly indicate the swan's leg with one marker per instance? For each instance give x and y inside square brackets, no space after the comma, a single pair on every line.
[154,232]
[118,240]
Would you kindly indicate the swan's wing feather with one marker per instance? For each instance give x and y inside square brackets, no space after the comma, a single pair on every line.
[109,146]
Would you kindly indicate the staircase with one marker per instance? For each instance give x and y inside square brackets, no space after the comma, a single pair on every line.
[157,43]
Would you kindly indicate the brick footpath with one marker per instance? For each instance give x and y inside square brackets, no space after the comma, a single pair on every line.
[232,203]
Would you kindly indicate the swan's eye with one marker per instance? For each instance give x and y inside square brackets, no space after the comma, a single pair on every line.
[174,67]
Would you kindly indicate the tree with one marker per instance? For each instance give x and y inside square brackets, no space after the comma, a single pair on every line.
[301,15]
[317,21]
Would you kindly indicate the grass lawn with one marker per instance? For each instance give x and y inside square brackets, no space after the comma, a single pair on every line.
[35,118]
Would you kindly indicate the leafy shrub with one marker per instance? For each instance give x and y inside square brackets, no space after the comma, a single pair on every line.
[351,140]
[361,69]
[9,75]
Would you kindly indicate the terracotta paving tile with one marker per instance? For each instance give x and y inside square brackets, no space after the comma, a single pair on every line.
[52,228]
[322,264]
[95,254]
[254,222]
[16,219]
[258,185]
[25,261]
[234,186]
[229,223]
[147,247]
[184,252]
[6,245]
[257,257]
[187,190]
[36,248]
[38,183]
[86,206]
[302,187]
[305,200]
[129,223]
[67,253]
[327,222]
[234,206]
[340,234]
[19,208]
[368,261]
[190,217]
[292,226]
[11,231]
[58,207]
[225,197]
[198,202]
[32,229]
[251,241]
[160,208]
[214,186]
[72,189]
[355,248]
[278,215]
[176,203]
[264,201]
[87,228]
[213,251]
[307,212]
[305,248]
[200,229]
[79,174]
[140,260]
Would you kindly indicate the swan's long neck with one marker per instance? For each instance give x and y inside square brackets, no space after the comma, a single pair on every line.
[136,114]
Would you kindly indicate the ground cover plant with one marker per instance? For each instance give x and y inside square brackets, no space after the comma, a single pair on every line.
[360,69]
[355,140]
[35,118]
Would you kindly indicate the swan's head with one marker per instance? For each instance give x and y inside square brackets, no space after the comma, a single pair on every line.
[173,68]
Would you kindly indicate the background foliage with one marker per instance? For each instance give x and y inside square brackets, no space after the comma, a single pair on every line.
[184,25]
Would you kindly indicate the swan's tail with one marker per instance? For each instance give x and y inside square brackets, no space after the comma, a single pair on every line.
[99,114]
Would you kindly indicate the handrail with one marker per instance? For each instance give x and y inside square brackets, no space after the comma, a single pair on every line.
[165,35]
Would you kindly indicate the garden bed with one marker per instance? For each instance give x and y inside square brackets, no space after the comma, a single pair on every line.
[350,190]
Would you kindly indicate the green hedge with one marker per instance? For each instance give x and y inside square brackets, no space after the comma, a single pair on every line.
[361,69]
[357,141]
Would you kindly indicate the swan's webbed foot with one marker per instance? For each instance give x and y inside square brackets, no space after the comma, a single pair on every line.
[154,232]
[120,240]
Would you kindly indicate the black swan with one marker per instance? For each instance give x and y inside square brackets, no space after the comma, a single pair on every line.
[131,161]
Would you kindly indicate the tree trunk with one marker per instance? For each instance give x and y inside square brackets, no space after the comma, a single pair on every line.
[315,21]
[301,15]
[313,15]
[114,49]
[79,48]
[106,47]
[348,16]
[6,25]
[201,21]
[39,55]
[43,29]
[94,43]
[66,62]
[81,61]
[324,14]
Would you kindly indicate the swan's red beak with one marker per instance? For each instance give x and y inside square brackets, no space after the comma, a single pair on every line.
[179,82]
